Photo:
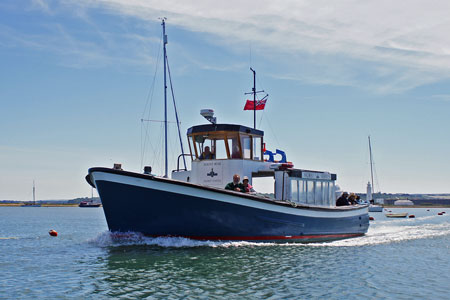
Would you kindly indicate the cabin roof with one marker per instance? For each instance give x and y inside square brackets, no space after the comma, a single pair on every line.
[224,127]
[310,174]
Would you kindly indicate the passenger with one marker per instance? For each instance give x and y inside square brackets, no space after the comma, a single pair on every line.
[352,199]
[235,185]
[342,200]
[207,154]
[247,187]
[235,153]
[358,199]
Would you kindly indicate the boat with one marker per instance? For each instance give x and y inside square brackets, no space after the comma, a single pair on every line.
[33,203]
[397,215]
[194,203]
[91,202]
[372,206]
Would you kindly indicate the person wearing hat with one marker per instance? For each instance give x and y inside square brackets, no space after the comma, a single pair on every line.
[352,199]
[248,188]
[342,200]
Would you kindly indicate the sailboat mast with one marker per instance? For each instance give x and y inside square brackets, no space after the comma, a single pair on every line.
[371,163]
[165,97]
[34,193]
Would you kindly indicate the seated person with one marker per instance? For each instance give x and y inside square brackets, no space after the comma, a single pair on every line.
[342,200]
[247,187]
[352,199]
[235,153]
[207,154]
[235,185]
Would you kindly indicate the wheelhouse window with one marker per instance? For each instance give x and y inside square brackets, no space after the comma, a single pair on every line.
[257,148]
[192,148]
[234,145]
[246,144]
[220,149]
[210,147]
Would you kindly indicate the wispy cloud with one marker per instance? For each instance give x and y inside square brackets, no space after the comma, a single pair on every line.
[409,43]
[76,51]
[41,5]
[442,97]
[381,45]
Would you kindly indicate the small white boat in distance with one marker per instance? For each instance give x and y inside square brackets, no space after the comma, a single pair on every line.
[369,198]
[375,208]
[397,215]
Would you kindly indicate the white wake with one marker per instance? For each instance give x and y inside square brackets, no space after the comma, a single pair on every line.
[381,232]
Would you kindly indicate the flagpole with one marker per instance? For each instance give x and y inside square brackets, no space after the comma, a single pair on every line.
[254,92]
[254,97]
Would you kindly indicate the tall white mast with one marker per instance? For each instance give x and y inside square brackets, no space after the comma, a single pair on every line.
[371,167]
[34,193]
[165,98]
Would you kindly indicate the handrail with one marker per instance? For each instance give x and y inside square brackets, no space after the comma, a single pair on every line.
[178,162]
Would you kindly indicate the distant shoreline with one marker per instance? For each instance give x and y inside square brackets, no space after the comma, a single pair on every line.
[42,205]
[76,205]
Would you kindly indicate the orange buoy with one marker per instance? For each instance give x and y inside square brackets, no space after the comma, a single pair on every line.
[371,218]
[53,233]
[412,216]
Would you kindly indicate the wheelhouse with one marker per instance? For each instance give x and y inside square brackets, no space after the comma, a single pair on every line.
[219,151]
[225,141]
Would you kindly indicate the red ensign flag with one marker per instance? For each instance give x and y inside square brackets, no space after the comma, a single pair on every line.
[260,104]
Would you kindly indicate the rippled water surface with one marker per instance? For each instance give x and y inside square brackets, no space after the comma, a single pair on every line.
[397,259]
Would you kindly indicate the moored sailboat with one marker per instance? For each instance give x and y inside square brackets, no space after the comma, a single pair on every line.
[372,206]
[33,203]
[90,203]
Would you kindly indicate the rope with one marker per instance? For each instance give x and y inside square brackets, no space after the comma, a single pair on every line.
[149,99]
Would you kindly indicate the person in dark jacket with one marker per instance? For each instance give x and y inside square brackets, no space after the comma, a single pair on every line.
[235,185]
[342,200]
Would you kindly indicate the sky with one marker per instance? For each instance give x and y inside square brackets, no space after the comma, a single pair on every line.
[78,76]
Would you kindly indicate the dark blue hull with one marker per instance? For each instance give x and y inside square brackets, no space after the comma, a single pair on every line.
[156,212]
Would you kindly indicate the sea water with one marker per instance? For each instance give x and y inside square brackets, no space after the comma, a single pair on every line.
[397,259]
